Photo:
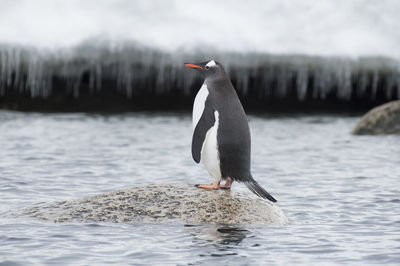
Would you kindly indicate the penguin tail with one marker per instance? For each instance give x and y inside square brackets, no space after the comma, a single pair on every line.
[258,190]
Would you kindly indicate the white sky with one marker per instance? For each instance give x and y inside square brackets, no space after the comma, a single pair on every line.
[336,27]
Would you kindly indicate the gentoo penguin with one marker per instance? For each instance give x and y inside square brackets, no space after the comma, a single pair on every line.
[221,134]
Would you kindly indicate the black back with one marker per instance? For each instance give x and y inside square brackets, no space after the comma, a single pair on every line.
[233,137]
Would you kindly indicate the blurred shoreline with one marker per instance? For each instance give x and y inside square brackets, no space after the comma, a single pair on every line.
[130,77]
[128,55]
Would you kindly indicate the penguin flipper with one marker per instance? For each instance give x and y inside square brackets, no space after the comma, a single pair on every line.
[207,121]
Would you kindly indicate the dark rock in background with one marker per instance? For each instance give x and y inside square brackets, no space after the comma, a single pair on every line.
[384,119]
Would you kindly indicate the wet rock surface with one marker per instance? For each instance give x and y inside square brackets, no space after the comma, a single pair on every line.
[384,119]
[162,203]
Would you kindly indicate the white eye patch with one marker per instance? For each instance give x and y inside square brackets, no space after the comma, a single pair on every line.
[211,63]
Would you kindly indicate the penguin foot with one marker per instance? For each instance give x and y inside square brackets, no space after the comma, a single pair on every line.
[227,185]
[214,185]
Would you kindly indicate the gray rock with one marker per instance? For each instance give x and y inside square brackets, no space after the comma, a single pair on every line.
[384,119]
[162,203]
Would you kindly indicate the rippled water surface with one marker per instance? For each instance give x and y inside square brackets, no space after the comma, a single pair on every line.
[340,192]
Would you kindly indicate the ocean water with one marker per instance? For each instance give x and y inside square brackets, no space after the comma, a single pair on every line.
[340,192]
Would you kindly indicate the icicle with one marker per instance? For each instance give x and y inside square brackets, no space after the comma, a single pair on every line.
[302,84]
[375,78]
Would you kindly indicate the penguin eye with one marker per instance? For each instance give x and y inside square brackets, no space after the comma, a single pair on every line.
[207,67]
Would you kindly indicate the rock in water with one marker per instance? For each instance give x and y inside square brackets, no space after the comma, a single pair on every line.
[162,203]
[384,119]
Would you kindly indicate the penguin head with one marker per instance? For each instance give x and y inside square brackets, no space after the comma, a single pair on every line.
[207,69]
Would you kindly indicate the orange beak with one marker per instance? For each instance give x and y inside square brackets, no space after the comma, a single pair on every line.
[193,66]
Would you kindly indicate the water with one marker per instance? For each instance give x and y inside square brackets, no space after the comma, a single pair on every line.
[340,192]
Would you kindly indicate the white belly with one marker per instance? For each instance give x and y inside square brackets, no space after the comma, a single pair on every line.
[199,104]
[209,151]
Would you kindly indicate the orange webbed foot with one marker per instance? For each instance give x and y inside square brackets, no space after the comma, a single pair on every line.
[214,185]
